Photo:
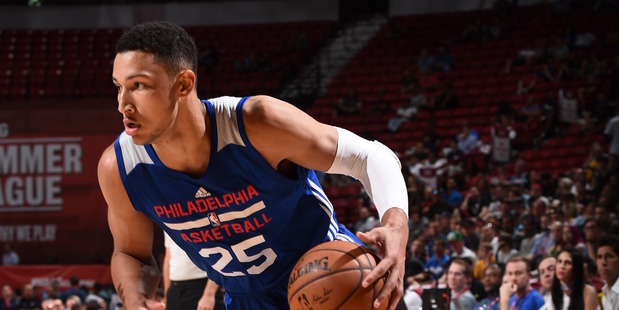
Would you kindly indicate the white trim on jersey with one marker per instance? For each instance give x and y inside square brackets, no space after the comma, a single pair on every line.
[132,154]
[320,194]
[223,217]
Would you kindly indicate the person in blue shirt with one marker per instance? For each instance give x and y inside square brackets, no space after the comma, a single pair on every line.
[436,264]
[516,292]
[232,181]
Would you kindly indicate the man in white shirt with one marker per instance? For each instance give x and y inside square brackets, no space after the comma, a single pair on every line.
[186,286]
[456,242]
[607,259]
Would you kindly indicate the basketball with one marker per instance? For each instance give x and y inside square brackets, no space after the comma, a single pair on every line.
[329,276]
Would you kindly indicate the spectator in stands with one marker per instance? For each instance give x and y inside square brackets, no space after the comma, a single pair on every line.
[246,64]
[73,303]
[568,286]
[556,230]
[546,272]
[469,232]
[9,257]
[8,301]
[473,202]
[527,235]
[592,233]
[485,255]
[28,300]
[52,304]
[467,138]
[526,83]
[349,104]
[459,277]
[451,195]
[73,290]
[505,251]
[543,240]
[366,220]
[437,262]
[516,291]
[492,279]
[612,132]
[456,243]
[607,261]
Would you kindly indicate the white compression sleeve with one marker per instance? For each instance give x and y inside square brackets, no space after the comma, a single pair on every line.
[375,166]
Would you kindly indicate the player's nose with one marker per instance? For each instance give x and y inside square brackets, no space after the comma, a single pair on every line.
[124,102]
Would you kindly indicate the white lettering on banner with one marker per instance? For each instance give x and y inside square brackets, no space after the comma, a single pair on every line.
[31,172]
[4,130]
[28,233]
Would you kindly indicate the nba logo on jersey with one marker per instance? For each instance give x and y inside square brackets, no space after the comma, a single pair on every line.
[201,193]
[214,219]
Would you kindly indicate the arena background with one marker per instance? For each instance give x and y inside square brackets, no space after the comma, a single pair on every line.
[58,107]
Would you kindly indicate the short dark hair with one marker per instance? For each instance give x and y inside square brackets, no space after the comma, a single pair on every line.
[608,240]
[464,262]
[171,45]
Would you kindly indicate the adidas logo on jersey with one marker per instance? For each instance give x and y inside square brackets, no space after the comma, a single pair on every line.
[201,193]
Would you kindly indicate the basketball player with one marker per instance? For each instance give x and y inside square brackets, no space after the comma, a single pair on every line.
[231,180]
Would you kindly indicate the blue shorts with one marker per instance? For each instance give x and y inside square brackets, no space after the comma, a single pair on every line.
[277,297]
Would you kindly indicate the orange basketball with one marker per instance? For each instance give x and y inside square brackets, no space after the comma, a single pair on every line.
[329,276]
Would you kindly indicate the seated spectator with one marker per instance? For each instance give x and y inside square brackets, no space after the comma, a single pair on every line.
[516,288]
[349,104]
[8,301]
[52,304]
[607,261]
[207,56]
[485,256]
[546,272]
[28,300]
[505,251]
[492,280]
[73,290]
[366,220]
[526,83]
[437,262]
[467,139]
[456,243]
[459,277]
[9,257]
[451,195]
[246,64]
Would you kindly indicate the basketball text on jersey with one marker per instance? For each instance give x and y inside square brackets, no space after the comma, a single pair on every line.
[206,203]
[250,218]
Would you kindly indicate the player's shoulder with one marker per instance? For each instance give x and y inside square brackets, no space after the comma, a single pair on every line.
[108,159]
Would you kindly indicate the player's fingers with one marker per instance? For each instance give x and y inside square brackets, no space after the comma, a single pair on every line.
[367,237]
[154,305]
[378,272]
[392,289]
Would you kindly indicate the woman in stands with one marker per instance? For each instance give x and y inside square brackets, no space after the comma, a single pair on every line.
[569,291]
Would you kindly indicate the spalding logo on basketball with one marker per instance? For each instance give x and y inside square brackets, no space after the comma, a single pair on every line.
[329,276]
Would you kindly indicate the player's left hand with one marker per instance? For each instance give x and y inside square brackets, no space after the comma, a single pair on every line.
[391,239]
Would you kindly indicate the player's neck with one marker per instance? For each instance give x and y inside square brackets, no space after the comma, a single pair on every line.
[186,146]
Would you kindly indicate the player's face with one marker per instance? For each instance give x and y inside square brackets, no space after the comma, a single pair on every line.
[516,273]
[607,263]
[456,278]
[145,96]
[564,266]
[546,271]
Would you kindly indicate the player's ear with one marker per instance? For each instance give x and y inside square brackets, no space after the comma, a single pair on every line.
[187,82]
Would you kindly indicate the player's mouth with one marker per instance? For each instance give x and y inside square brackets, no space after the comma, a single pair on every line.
[131,127]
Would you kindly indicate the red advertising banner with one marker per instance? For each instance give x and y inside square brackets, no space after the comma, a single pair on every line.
[51,207]
[43,275]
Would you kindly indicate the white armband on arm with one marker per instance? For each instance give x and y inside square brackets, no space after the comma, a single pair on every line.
[375,166]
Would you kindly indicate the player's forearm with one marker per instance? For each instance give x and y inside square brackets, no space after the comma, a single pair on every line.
[211,289]
[134,280]
[397,220]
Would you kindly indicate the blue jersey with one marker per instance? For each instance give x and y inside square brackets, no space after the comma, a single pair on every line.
[242,221]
